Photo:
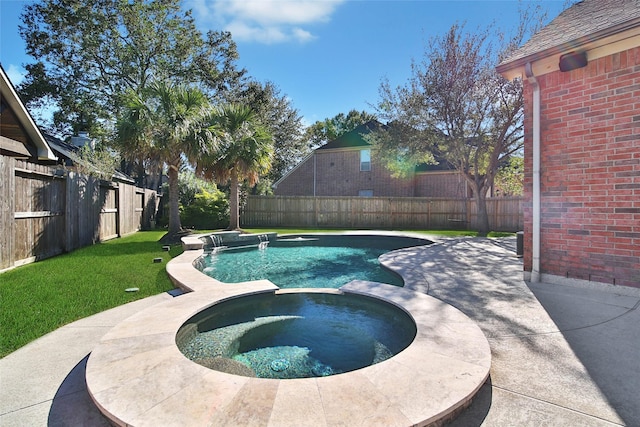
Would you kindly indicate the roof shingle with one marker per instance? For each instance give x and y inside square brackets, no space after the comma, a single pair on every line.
[584,21]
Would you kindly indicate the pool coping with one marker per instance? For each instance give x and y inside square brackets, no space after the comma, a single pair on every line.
[137,376]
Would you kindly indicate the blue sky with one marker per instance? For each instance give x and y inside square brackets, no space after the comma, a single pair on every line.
[327,56]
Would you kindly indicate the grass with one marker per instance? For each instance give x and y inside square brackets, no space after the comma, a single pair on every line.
[38,298]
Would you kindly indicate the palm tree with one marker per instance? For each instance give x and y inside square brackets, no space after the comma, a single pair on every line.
[165,121]
[244,153]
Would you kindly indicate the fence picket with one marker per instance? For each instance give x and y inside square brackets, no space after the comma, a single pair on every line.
[505,214]
[47,211]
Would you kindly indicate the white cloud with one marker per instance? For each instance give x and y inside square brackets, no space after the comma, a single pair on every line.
[266,21]
[302,35]
[241,30]
[200,8]
[16,74]
[273,12]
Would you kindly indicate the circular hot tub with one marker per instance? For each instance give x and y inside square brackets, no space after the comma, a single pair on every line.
[137,375]
[287,335]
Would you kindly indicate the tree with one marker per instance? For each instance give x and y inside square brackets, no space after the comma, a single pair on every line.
[90,52]
[98,161]
[329,129]
[282,121]
[457,107]
[209,209]
[245,150]
[202,204]
[189,185]
[509,180]
[165,121]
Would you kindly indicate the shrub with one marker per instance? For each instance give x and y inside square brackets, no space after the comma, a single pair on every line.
[188,187]
[208,210]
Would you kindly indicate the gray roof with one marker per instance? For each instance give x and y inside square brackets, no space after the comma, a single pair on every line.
[583,22]
[64,150]
[61,148]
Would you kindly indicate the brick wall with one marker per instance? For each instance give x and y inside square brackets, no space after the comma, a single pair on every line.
[299,182]
[441,184]
[338,174]
[590,171]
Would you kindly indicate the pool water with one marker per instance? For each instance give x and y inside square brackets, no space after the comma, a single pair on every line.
[297,335]
[307,262]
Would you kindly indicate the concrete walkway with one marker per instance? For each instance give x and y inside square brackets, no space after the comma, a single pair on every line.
[43,382]
[561,355]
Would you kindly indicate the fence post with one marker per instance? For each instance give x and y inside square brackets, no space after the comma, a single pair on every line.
[69,183]
[8,206]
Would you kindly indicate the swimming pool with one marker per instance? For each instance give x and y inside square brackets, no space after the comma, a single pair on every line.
[138,375]
[307,261]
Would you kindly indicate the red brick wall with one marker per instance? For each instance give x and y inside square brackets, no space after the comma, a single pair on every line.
[299,182]
[590,171]
[441,184]
[338,174]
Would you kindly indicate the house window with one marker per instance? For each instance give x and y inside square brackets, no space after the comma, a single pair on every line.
[365,160]
[365,193]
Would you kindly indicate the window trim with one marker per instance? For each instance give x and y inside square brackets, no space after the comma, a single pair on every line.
[367,168]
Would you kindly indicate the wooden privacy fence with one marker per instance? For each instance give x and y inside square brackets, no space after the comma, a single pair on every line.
[505,214]
[46,211]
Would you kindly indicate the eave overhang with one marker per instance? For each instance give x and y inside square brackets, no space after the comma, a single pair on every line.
[597,45]
[11,98]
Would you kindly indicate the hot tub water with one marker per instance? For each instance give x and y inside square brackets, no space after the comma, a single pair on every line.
[298,335]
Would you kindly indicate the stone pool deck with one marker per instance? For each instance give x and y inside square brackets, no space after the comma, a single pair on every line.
[561,355]
[137,375]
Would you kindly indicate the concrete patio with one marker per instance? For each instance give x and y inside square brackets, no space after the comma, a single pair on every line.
[561,355]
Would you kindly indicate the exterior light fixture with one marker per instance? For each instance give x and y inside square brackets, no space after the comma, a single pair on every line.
[572,61]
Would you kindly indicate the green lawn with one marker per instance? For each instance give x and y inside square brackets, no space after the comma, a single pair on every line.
[38,298]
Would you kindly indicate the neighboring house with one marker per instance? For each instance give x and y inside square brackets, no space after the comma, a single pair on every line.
[45,211]
[21,138]
[347,166]
[581,78]
[67,153]
[19,135]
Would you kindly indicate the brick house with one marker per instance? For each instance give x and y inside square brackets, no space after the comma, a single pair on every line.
[347,166]
[581,78]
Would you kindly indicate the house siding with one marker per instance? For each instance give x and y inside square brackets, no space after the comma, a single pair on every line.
[299,182]
[337,173]
[590,171]
[441,184]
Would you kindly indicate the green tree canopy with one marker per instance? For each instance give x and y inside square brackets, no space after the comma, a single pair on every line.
[282,121]
[167,122]
[457,107]
[510,177]
[244,153]
[90,52]
[329,129]
[97,161]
